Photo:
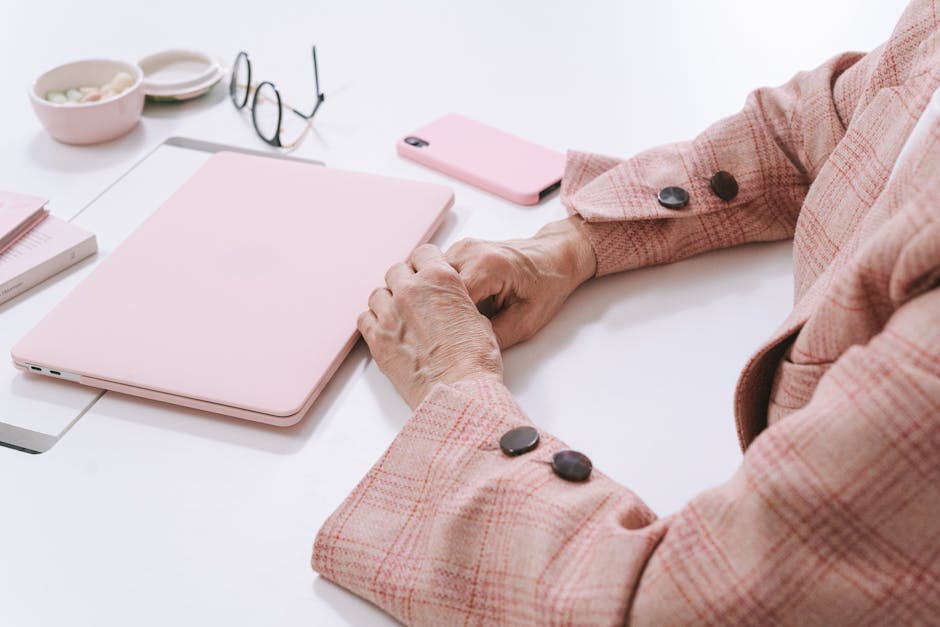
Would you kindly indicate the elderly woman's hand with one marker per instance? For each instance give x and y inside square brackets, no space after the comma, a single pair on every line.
[523,283]
[423,328]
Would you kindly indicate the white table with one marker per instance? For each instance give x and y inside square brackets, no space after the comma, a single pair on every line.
[148,515]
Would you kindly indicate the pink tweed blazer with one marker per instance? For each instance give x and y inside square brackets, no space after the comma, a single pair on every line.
[833,517]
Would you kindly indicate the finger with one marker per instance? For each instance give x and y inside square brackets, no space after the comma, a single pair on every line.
[380,302]
[505,336]
[397,275]
[427,256]
[512,327]
[367,323]
[482,284]
[461,252]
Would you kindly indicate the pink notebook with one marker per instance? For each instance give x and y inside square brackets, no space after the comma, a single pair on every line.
[19,213]
[45,250]
[240,294]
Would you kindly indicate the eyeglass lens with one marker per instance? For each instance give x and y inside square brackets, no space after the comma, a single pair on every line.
[267,112]
[241,80]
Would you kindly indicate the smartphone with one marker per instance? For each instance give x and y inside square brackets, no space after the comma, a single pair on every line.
[503,164]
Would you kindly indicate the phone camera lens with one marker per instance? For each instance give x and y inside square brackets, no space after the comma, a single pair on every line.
[416,142]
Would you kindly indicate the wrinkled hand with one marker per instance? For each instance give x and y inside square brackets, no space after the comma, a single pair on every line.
[422,328]
[523,283]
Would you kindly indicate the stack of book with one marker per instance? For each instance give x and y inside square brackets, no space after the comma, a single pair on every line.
[35,245]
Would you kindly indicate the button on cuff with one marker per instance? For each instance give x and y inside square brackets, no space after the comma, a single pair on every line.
[673,197]
[572,465]
[724,185]
[519,441]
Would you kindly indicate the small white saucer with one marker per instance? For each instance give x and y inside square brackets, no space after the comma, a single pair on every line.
[174,75]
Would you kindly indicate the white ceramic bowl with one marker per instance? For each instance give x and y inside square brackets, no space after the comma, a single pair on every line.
[90,122]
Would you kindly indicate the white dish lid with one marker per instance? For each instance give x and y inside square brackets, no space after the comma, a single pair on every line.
[178,72]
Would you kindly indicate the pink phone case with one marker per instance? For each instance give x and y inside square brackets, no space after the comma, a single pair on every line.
[485,157]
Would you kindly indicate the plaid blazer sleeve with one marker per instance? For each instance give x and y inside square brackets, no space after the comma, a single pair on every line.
[831,519]
[774,147]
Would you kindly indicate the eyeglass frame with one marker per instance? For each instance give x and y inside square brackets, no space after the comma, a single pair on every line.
[233,86]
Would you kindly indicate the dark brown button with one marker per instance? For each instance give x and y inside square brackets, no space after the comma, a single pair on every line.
[519,440]
[724,185]
[673,197]
[571,465]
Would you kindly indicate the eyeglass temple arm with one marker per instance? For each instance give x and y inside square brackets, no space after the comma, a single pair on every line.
[320,95]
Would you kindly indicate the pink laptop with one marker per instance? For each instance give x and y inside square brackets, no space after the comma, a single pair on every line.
[240,294]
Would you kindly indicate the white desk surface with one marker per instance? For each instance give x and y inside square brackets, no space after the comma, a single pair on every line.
[148,515]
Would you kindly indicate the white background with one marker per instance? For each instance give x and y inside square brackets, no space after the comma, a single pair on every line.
[144,514]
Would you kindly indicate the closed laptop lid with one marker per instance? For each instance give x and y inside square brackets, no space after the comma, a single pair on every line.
[243,289]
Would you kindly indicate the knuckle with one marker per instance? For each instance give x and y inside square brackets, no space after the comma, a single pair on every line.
[465,245]
[423,250]
[439,274]
[407,291]
[500,262]
[364,323]
[392,270]
[465,251]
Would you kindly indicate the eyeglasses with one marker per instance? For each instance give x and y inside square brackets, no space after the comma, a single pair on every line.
[267,108]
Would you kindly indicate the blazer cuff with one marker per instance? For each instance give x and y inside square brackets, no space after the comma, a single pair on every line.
[366,544]
[627,226]
[446,528]
[604,189]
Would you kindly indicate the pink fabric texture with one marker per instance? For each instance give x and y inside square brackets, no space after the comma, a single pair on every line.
[833,517]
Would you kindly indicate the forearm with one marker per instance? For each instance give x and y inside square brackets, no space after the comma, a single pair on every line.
[587,249]
[773,148]
[628,245]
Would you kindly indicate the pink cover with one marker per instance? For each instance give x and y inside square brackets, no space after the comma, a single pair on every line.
[488,158]
[18,214]
[240,294]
